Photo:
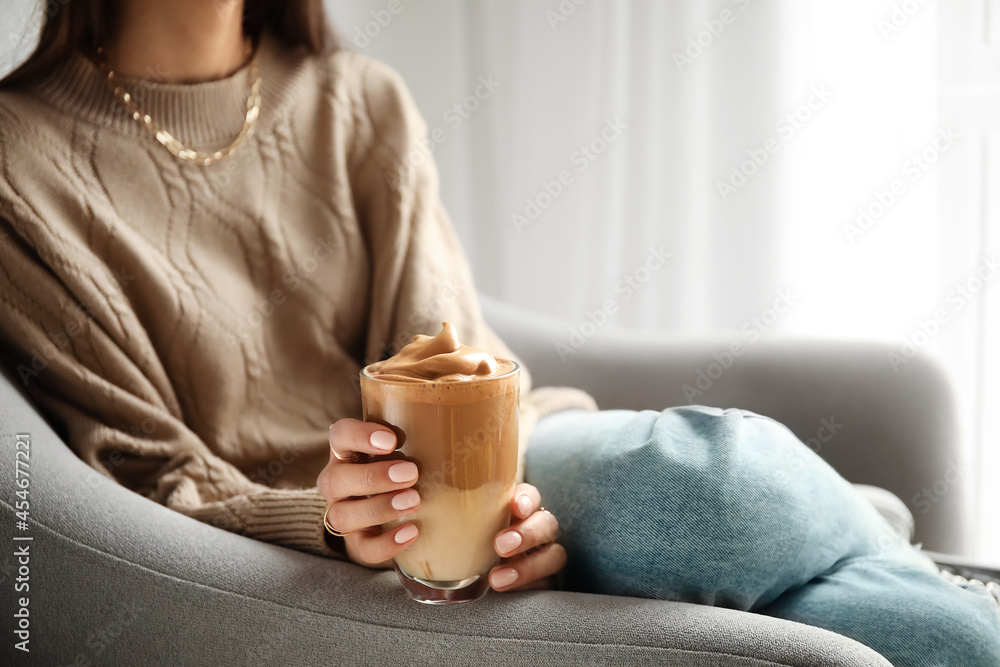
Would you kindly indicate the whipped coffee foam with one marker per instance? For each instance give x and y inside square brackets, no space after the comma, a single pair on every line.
[440,358]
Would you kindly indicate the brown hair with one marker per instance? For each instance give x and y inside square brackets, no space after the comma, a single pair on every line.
[85,25]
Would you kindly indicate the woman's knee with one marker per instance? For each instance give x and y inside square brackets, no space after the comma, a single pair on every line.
[683,502]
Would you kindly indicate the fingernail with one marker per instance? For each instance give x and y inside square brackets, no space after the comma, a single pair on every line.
[383,440]
[524,504]
[407,533]
[405,500]
[403,472]
[508,541]
[503,578]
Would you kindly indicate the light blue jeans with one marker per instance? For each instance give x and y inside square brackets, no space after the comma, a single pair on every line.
[729,508]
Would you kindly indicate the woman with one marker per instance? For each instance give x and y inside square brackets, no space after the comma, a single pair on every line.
[213,219]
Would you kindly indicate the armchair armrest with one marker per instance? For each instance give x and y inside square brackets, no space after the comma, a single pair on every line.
[877,426]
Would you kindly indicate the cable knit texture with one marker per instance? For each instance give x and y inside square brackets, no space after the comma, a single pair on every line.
[194,330]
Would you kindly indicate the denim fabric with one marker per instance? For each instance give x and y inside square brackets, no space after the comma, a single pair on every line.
[729,508]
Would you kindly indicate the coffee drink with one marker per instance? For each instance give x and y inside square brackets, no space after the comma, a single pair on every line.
[454,411]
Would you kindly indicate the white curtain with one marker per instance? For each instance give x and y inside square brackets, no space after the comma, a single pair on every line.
[835,154]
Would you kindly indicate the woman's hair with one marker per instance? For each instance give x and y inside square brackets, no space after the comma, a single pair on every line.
[86,25]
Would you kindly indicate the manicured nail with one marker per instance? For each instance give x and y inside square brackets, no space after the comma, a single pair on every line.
[503,578]
[524,504]
[406,500]
[407,533]
[383,440]
[403,472]
[508,541]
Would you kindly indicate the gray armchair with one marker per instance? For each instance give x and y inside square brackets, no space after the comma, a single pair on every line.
[876,426]
[117,579]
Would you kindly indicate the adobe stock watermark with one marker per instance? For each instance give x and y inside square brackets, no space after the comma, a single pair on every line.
[568,516]
[144,430]
[380,19]
[705,38]
[625,289]
[828,428]
[430,314]
[562,12]
[752,330]
[585,155]
[912,170]
[99,640]
[454,117]
[292,280]
[963,293]
[427,318]
[222,173]
[42,355]
[797,457]
[463,449]
[152,75]
[932,495]
[899,16]
[268,473]
[22,542]
[786,127]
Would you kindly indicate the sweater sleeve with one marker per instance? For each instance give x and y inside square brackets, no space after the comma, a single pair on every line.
[75,354]
[421,276]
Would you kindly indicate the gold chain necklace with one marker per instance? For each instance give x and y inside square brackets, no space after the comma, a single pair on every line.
[168,140]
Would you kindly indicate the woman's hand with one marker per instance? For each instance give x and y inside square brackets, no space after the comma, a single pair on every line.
[346,486]
[531,556]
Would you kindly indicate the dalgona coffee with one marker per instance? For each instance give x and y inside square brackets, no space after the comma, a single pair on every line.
[454,411]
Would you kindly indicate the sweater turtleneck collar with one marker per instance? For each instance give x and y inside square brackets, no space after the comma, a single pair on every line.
[198,114]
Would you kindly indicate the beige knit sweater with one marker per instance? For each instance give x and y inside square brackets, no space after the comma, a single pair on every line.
[195,330]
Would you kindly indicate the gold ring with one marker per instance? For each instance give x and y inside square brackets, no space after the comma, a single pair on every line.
[353,457]
[542,509]
[326,522]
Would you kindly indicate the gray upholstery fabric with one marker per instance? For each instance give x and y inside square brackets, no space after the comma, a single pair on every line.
[117,579]
[894,430]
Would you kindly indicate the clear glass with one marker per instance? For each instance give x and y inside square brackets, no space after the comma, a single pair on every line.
[463,438]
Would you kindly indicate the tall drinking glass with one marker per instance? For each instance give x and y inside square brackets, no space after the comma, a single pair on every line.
[462,435]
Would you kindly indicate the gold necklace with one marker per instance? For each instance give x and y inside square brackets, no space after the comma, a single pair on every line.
[168,140]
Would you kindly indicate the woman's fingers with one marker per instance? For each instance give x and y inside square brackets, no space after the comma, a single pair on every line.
[527,570]
[337,482]
[525,501]
[348,515]
[537,530]
[373,548]
[349,437]
[530,554]
[342,478]
[364,496]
